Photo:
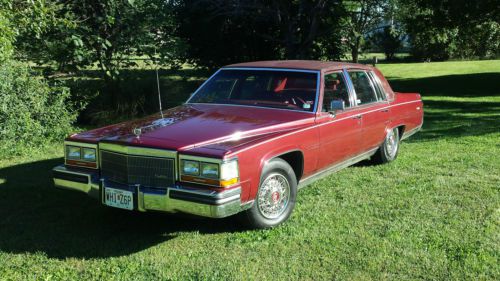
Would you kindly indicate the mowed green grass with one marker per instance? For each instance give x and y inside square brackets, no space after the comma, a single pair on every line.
[433,214]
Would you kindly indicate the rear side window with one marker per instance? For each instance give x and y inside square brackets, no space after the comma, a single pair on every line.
[381,95]
[365,93]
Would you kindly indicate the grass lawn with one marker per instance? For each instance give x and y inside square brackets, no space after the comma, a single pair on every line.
[434,213]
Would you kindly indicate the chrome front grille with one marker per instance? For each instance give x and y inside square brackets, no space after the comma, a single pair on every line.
[135,169]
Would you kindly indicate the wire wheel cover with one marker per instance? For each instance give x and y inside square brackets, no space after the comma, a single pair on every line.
[391,144]
[274,195]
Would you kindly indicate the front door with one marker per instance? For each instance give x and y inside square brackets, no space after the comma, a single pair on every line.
[340,133]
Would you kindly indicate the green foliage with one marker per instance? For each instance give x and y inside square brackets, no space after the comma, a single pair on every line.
[361,17]
[29,20]
[433,43]
[228,31]
[32,112]
[390,39]
[481,40]
[108,32]
[6,34]
[441,29]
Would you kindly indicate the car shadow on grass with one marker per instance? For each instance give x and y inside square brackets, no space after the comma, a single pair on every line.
[37,217]
[448,118]
[455,119]
[457,85]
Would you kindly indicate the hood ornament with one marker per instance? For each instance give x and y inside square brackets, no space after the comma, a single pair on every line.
[137,132]
[162,122]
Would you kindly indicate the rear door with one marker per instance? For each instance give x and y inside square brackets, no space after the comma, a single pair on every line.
[372,105]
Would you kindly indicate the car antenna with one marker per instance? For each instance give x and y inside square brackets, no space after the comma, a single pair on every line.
[158,85]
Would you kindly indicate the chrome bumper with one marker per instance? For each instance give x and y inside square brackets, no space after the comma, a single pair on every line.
[201,202]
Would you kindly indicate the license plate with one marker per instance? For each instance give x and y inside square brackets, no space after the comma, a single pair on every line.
[119,198]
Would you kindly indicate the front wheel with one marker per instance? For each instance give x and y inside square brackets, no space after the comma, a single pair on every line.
[389,149]
[275,198]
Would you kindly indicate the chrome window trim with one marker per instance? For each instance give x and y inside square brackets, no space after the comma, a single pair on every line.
[377,84]
[201,86]
[271,69]
[318,78]
[350,86]
[253,106]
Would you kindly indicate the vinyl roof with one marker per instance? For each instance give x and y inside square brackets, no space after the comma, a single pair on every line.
[301,64]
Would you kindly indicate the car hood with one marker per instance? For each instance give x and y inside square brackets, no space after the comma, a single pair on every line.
[200,125]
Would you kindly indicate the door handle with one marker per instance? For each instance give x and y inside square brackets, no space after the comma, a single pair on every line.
[357,116]
[384,110]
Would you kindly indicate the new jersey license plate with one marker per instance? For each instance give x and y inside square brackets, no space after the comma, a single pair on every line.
[119,198]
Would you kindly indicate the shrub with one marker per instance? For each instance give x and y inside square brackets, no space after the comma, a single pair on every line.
[32,112]
[6,37]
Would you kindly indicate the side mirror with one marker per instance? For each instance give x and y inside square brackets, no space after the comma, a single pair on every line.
[336,105]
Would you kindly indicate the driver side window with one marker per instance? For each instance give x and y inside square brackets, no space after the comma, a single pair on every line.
[335,89]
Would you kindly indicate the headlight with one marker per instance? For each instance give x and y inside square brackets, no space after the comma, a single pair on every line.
[81,154]
[190,167]
[210,170]
[88,154]
[73,152]
[229,170]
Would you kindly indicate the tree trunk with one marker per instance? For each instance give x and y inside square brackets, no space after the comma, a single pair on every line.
[355,50]
[355,54]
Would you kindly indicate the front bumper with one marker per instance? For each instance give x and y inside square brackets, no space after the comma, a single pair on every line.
[196,201]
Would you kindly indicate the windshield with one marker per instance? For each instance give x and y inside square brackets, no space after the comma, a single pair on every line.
[264,88]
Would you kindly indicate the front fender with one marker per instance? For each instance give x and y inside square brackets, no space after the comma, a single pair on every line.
[269,156]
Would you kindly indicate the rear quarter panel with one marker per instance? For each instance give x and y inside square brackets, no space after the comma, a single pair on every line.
[407,110]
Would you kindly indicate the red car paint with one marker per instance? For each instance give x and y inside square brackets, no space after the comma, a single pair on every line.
[256,135]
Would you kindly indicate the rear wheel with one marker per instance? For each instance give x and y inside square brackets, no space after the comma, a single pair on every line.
[389,149]
[275,198]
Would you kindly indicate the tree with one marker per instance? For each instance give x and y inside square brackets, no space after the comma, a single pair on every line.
[20,19]
[363,17]
[106,34]
[390,39]
[226,31]
[441,29]
[33,110]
